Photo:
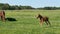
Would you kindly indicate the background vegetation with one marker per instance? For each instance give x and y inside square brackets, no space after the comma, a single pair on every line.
[27,23]
[16,7]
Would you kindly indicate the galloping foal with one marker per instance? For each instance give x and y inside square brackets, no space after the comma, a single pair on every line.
[2,15]
[43,19]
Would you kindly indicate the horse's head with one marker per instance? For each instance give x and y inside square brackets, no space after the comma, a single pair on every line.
[39,16]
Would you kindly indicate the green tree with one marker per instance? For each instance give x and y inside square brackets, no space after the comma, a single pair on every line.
[5,7]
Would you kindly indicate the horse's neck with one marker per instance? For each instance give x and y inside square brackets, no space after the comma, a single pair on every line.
[41,17]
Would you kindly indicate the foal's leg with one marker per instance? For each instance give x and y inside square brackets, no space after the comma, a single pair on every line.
[46,22]
[49,22]
[41,22]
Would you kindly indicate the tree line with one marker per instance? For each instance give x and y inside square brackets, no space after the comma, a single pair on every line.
[49,8]
[20,7]
[13,7]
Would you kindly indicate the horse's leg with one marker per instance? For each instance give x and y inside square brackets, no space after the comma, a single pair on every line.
[1,18]
[4,16]
[46,22]
[41,22]
[49,22]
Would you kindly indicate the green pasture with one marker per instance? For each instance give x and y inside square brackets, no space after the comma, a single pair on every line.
[27,23]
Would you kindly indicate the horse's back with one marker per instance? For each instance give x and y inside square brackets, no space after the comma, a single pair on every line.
[45,18]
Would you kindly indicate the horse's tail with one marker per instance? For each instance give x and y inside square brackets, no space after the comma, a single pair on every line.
[3,13]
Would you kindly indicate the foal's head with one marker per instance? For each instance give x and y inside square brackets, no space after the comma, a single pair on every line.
[39,16]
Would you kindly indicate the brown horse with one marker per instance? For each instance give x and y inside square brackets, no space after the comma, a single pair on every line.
[2,15]
[43,19]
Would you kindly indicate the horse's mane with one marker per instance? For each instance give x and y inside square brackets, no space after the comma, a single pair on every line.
[40,16]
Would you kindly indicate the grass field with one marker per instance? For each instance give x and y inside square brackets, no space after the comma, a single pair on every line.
[28,24]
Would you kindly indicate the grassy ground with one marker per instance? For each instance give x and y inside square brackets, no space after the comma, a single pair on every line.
[28,24]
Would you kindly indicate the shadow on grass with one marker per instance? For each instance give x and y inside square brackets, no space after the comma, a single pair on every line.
[10,19]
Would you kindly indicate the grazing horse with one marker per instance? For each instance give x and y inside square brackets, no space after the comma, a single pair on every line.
[2,15]
[43,19]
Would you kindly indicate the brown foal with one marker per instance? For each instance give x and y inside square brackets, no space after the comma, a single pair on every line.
[43,19]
